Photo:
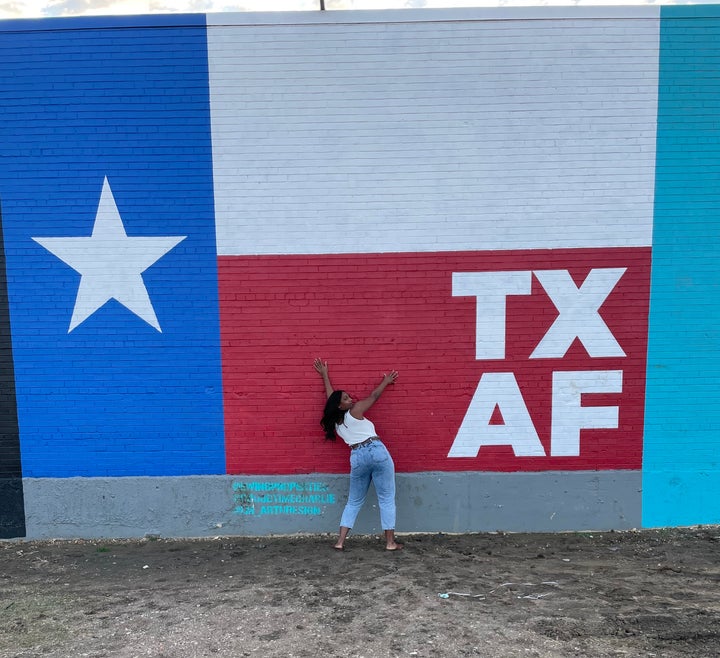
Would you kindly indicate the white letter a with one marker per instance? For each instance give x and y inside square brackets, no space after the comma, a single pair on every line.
[497,389]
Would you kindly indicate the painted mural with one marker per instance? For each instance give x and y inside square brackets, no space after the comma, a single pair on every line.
[195,207]
[502,370]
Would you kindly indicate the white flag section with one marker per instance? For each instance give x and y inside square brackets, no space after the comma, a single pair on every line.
[433,136]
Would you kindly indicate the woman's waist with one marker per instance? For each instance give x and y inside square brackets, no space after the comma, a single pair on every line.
[360,444]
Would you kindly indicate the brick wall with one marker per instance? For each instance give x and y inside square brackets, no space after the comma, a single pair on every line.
[359,165]
[681,476]
[119,393]
[437,192]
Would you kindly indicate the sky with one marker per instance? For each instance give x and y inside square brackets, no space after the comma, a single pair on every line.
[45,8]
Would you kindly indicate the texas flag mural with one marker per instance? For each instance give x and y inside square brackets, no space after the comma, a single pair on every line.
[192,215]
[107,196]
[468,205]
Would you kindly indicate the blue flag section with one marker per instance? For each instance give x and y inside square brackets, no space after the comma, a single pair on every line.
[109,234]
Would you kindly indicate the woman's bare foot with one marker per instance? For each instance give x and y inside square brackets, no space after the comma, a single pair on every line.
[390,543]
[340,543]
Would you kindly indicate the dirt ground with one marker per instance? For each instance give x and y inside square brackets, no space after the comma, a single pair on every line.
[647,593]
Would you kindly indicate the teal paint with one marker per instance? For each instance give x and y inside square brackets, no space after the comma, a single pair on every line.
[681,457]
[305,498]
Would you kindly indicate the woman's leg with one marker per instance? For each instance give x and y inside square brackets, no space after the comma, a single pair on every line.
[340,543]
[384,479]
[360,475]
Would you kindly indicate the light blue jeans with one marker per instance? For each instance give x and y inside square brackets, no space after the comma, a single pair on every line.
[371,463]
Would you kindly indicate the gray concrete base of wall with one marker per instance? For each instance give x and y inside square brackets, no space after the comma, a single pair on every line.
[206,506]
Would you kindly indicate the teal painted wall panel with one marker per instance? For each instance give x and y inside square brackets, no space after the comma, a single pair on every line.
[681,459]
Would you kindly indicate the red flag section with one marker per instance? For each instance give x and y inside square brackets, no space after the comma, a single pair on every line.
[508,360]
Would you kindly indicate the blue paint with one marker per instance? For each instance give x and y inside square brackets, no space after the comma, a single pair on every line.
[681,461]
[114,397]
[102,22]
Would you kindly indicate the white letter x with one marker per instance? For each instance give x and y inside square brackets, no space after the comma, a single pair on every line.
[579,315]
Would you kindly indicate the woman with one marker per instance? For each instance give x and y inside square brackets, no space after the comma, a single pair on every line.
[369,458]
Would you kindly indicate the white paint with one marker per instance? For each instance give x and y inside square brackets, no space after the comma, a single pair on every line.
[579,313]
[497,389]
[437,10]
[490,290]
[579,310]
[110,263]
[579,317]
[568,414]
[352,137]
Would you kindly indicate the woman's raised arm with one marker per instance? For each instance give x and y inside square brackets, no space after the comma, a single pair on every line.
[360,407]
[322,367]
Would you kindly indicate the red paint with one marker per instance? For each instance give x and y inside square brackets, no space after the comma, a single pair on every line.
[369,313]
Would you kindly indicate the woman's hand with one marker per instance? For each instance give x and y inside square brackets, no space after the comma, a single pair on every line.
[360,407]
[322,368]
[390,377]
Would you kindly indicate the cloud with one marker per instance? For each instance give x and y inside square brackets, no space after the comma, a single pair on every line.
[12,9]
[77,7]
[192,6]
[96,7]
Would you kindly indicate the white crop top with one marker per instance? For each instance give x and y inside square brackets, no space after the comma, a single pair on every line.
[353,431]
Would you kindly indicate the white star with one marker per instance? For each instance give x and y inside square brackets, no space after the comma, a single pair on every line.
[110,263]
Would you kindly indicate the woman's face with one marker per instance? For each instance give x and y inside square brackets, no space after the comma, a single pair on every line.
[346,402]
